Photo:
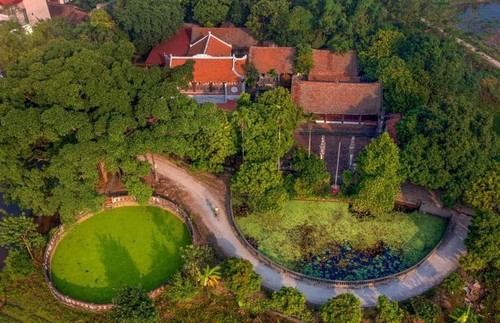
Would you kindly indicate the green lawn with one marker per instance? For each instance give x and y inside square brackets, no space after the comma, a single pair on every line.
[330,223]
[126,245]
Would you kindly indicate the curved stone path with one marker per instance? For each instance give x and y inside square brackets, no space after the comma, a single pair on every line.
[430,273]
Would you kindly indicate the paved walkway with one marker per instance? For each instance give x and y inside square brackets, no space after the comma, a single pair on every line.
[430,273]
[470,47]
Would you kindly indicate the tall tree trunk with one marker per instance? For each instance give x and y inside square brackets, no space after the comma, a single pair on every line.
[102,172]
[153,162]
[27,245]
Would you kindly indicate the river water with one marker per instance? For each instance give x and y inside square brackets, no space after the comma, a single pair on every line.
[480,19]
[11,209]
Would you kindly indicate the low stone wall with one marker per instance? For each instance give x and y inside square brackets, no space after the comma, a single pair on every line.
[322,281]
[114,202]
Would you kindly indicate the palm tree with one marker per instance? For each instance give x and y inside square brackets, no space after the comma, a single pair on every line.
[210,277]
[462,315]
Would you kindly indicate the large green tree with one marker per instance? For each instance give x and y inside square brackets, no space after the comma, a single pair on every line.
[148,22]
[266,134]
[311,175]
[291,302]
[303,59]
[388,311]
[379,182]
[20,232]
[343,308]
[484,194]
[446,146]
[77,105]
[482,242]
[268,18]
[67,107]
[239,277]
[132,304]
[211,13]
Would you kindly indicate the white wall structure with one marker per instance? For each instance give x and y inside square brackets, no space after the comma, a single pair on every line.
[36,10]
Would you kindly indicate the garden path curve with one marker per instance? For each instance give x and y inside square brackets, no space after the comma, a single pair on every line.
[430,273]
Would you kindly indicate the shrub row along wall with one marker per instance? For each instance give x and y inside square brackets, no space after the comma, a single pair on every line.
[113,202]
[322,281]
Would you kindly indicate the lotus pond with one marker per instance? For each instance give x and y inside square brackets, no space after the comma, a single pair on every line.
[326,240]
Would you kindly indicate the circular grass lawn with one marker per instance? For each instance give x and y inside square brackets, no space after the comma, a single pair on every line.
[124,246]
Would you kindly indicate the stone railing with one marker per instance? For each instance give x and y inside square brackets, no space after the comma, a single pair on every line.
[114,202]
[323,281]
[164,203]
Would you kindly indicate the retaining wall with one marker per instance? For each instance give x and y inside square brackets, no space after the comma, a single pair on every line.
[114,202]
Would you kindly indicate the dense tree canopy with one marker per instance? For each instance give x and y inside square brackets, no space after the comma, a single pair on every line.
[267,18]
[446,146]
[311,176]
[266,134]
[239,277]
[132,304]
[291,302]
[66,108]
[379,183]
[446,136]
[303,60]
[484,194]
[211,13]
[148,22]
[416,69]
[388,311]
[20,231]
[73,104]
[482,242]
[342,308]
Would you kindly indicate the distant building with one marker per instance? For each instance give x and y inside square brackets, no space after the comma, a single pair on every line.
[218,73]
[32,11]
[341,103]
[332,91]
[330,67]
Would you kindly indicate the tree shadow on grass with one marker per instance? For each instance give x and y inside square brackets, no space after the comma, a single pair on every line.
[164,264]
[423,241]
[85,293]
[119,267]
[164,226]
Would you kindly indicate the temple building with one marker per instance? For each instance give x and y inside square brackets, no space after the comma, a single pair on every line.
[332,91]
[337,102]
[218,73]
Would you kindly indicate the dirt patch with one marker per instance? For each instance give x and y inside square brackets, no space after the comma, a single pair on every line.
[217,185]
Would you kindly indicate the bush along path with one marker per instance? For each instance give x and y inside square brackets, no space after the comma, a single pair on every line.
[430,272]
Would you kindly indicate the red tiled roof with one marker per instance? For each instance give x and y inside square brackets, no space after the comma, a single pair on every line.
[337,98]
[229,106]
[279,59]
[74,14]
[210,45]
[177,45]
[215,69]
[238,37]
[333,67]
[8,2]
[392,120]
